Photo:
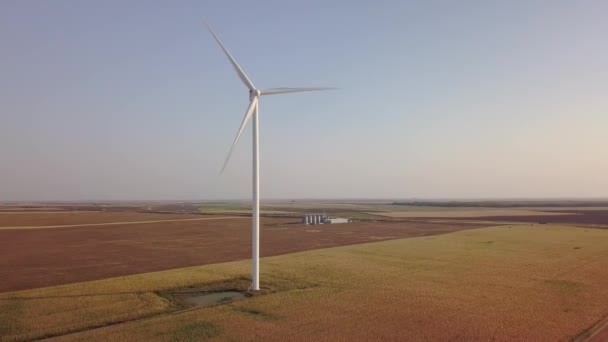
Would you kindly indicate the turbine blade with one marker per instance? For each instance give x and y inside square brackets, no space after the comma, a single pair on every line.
[235,65]
[252,106]
[283,90]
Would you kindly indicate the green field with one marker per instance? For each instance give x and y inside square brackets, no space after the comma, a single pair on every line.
[541,283]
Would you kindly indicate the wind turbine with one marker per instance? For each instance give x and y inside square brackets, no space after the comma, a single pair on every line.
[252,112]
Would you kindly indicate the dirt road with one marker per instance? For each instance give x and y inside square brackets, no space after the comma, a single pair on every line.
[124,223]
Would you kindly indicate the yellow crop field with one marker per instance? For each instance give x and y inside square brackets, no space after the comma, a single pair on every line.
[538,282]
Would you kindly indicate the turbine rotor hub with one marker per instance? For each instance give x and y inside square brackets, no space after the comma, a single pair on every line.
[253,93]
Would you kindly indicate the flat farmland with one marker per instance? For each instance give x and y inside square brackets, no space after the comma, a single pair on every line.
[32,258]
[466,213]
[43,219]
[576,217]
[587,217]
[508,283]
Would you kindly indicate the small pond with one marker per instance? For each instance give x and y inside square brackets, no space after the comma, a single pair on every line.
[202,299]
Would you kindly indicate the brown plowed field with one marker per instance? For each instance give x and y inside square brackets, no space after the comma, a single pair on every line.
[32,258]
[582,217]
[24,219]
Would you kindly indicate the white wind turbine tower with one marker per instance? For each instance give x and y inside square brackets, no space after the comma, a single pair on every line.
[252,111]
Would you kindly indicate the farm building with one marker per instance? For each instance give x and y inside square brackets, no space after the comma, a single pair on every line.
[321,219]
[336,220]
[314,218]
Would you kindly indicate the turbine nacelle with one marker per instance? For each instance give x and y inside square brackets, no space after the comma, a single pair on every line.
[253,93]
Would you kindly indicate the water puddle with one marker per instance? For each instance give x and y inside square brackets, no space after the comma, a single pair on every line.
[203,299]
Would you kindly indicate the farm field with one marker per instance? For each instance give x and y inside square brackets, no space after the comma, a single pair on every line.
[596,216]
[31,258]
[569,216]
[521,282]
[464,213]
[425,171]
[387,211]
[16,220]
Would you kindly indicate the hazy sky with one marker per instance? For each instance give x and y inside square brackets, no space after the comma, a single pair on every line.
[453,99]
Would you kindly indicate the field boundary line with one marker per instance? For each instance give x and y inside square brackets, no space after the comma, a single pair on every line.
[589,333]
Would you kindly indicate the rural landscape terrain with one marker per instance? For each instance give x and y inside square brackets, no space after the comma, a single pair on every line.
[487,270]
[304,171]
